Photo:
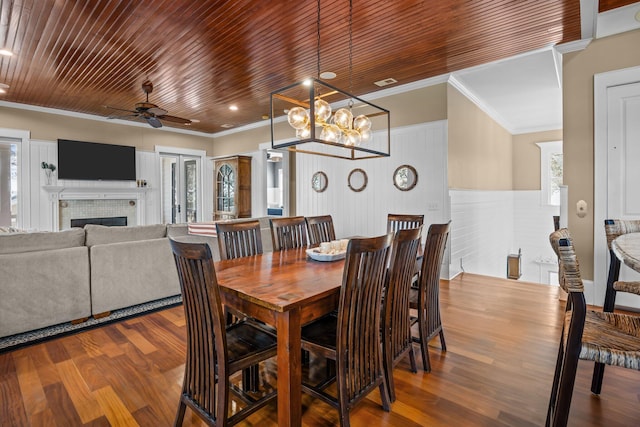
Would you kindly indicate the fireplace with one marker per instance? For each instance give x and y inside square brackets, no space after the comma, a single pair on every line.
[96,203]
[110,221]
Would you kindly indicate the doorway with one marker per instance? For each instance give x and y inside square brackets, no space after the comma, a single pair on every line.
[180,187]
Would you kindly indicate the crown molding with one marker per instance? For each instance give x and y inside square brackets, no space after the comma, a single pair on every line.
[573,46]
[85,116]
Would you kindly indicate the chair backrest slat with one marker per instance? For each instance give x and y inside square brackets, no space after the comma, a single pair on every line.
[320,229]
[239,239]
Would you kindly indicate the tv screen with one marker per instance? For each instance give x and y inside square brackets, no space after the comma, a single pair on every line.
[92,161]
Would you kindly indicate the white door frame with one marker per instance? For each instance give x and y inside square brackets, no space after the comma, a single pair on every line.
[601,83]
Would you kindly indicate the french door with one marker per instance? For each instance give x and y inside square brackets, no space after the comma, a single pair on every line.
[8,183]
[181,187]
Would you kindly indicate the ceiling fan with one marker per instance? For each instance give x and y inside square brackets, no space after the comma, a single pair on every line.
[149,112]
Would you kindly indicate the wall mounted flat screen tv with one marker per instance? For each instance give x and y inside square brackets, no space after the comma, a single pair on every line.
[91,161]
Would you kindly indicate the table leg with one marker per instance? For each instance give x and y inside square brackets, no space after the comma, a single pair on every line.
[289,369]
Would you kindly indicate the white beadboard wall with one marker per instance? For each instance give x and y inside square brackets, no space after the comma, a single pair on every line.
[147,167]
[365,213]
[487,226]
[532,225]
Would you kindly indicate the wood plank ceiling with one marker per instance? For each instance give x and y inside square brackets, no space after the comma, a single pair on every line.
[202,56]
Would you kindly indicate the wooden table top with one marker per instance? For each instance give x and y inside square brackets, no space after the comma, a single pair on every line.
[627,249]
[280,281]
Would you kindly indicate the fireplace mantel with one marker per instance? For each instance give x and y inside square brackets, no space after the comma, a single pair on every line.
[59,193]
[64,192]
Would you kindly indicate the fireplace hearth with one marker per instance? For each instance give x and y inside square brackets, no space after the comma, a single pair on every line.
[110,221]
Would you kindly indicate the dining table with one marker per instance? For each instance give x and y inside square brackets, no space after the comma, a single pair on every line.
[284,289]
[626,247]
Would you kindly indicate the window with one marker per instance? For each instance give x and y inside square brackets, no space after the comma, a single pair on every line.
[550,172]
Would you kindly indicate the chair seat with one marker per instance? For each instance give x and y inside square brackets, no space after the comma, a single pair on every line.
[322,332]
[610,338]
[246,338]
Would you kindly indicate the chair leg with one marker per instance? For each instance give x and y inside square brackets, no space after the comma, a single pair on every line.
[387,365]
[412,359]
[596,381]
[384,396]
[424,345]
[180,415]
[443,344]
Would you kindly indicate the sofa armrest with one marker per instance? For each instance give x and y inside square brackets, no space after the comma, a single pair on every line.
[44,288]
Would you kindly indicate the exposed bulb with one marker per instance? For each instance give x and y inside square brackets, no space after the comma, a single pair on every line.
[361,123]
[322,111]
[298,117]
[351,137]
[343,118]
[304,132]
[365,135]
[331,133]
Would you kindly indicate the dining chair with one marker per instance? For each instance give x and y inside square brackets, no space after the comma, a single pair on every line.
[396,327]
[351,337]
[614,228]
[602,337]
[215,351]
[426,298]
[320,229]
[239,239]
[397,222]
[288,233]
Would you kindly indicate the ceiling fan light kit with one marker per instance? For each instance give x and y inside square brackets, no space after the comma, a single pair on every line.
[148,111]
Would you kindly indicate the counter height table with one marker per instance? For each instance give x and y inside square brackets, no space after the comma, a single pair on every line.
[627,249]
[286,290]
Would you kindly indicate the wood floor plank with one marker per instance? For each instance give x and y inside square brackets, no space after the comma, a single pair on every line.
[114,410]
[502,339]
[83,400]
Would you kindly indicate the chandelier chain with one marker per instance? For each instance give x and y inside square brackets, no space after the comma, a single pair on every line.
[318,38]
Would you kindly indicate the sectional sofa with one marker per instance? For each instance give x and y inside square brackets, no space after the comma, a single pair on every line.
[47,278]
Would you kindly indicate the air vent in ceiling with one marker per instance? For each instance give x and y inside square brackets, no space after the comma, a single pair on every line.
[385,82]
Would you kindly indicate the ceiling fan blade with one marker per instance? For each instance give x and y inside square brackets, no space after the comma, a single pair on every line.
[153,121]
[157,111]
[125,116]
[175,119]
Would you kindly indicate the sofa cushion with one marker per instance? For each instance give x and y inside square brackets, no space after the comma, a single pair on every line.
[101,235]
[12,243]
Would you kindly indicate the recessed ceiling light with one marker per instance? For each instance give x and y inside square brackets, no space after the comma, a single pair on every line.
[265,116]
[226,126]
[3,88]
[195,121]
[6,52]
[307,82]
[328,75]
[233,107]
[638,16]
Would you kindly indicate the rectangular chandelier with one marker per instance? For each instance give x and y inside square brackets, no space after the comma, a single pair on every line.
[314,117]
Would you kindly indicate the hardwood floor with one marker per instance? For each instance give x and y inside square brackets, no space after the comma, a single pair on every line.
[502,339]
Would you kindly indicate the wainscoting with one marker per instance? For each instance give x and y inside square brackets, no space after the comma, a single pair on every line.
[489,225]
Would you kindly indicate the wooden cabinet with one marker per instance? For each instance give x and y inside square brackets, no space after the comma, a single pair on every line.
[232,190]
